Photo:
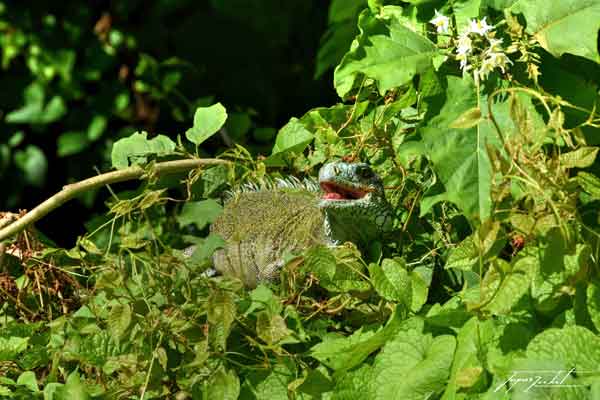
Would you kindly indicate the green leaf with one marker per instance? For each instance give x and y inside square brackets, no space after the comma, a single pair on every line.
[320,261]
[590,183]
[465,11]
[271,328]
[460,155]
[199,213]
[468,119]
[593,302]
[292,138]
[207,122]
[420,281]
[29,380]
[392,282]
[468,367]
[224,384]
[263,299]
[355,385]
[33,163]
[269,384]
[34,111]
[316,384]
[387,51]
[204,251]
[583,157]
[484,243]
[73,389]
[214,180]
[119,320]
[136,148]
[96,127]
[575,346]
[338,269]
[221,314]
[16,139]
[84,312]
[512,287]
[344,353]
[569,26]
[70,143]
[422,361]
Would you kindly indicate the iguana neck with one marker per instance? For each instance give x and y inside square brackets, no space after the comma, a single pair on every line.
[358,225]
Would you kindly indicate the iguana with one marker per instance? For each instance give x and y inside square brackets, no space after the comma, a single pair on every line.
[260,225]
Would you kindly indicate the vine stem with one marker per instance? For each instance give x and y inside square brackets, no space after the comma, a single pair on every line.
[70,191]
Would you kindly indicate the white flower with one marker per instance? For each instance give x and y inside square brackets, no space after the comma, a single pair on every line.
[498,60]
[464,64]
[487,66]
[479,27]
[465,45]
[491,62]
[495,46]
[441,22]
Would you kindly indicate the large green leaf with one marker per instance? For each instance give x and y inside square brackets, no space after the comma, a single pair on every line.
[73,389]
[464,11]
[224,385]
[512,287]
[119,320]
[207,122]
[11,347]
[392,281]
[459,150]
[28,380]
[221,314]
[292,138]
[199,213]
[136,148]
[566,26]
[343,353]
[593,302]
[413,365]
[556,351]
[386,50]
[468,367]
[269,383]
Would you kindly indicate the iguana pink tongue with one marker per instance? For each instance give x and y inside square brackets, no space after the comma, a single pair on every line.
[333,196]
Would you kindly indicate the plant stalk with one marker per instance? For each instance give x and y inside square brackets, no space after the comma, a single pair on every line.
[72,190]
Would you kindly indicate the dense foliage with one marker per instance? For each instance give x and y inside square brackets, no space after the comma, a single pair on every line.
[480,115]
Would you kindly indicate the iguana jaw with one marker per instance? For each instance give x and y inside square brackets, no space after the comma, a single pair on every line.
[334,191]
[348,185]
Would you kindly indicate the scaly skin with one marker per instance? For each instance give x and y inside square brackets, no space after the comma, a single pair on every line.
[262,227]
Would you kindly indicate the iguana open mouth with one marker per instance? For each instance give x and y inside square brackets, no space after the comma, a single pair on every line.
[334,191]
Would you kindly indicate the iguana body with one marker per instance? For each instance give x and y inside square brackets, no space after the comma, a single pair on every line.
[261,227]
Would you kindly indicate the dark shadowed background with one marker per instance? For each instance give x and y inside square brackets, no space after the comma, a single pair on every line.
[77,76]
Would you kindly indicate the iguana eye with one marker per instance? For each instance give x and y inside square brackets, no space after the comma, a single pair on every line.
[364,172]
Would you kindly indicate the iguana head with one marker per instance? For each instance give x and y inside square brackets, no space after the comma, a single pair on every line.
[354,203]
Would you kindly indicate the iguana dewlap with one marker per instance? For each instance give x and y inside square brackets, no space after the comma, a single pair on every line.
[260,227]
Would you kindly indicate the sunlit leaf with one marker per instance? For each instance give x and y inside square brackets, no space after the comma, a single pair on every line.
[207,122]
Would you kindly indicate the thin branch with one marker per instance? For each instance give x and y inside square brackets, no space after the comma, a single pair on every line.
[70,191]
